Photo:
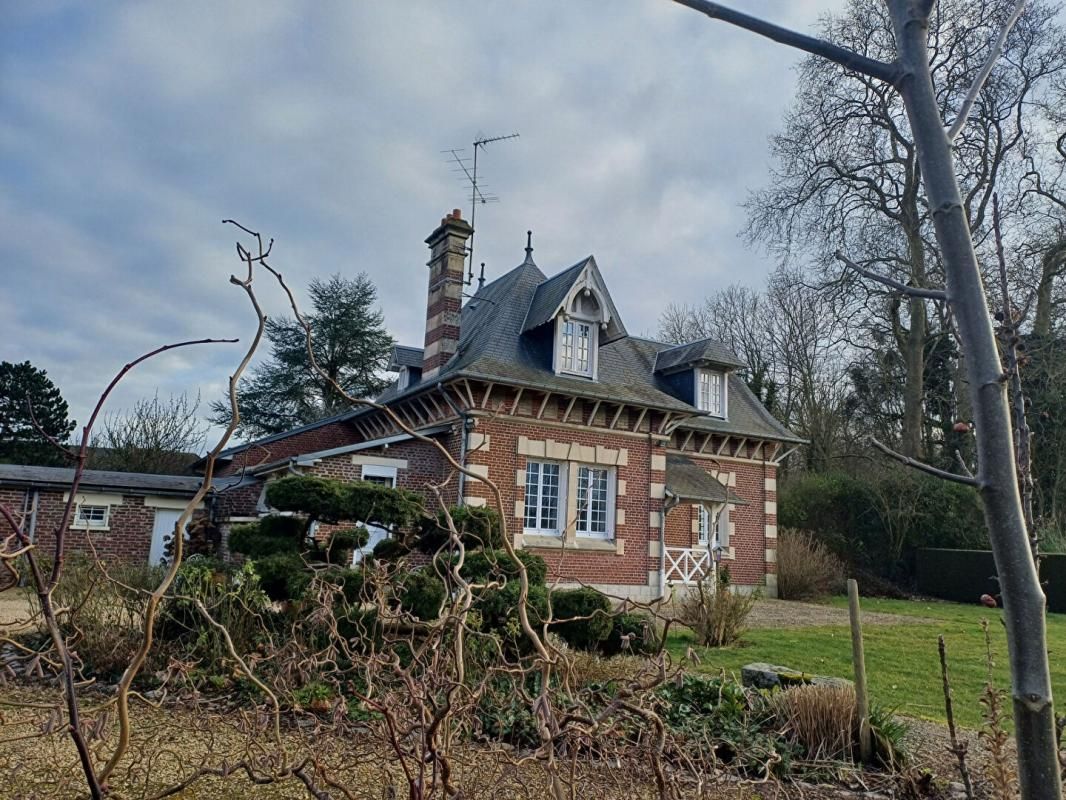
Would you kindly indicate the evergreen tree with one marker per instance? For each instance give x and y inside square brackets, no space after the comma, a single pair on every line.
[350,344]
[22,387]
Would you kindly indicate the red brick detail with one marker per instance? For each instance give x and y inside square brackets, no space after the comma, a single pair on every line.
[326,437]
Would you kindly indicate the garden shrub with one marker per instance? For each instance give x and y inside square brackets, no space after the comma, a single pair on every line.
[350,581]
[482,566]
[720,718]
[584,618]
[421,594]
[499,609]
[822,721]
[714,613]
[104,616]
[806,568]
[283,576]
[235,599]
[819,718]
[639,632]
[269,536]
[319,498]
[877,523]
[477,526]
[390,550]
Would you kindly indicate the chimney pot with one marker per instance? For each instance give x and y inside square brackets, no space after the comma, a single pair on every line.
[456,214]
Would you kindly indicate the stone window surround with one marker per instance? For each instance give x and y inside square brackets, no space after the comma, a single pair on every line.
[572,455]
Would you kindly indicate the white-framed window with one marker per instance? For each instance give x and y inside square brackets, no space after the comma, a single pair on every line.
[544,493]
[576,347]
[91,517]
[595,501]
[403,378]
[710,392]
[703,527]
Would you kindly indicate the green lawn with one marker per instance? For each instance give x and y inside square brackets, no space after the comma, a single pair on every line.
[902,665]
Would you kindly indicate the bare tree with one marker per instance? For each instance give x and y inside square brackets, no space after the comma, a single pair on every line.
[155,436]
[847,174]
[905,75]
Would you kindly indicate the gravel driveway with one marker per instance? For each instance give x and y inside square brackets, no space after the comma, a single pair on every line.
[791,614]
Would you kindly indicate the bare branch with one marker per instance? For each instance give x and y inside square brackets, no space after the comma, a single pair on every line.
[923,467]
[849,59]
[986,70]
[902,288]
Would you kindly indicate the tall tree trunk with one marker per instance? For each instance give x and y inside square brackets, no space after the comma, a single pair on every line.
[914,345]
[1023,599]
[1051,266]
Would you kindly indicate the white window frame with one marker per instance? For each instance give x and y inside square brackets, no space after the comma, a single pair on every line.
[723,382]
[88,525]
[704,522]
[582,517]
[560,500]
[565,366]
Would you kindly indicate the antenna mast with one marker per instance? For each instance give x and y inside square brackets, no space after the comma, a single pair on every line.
[469,171]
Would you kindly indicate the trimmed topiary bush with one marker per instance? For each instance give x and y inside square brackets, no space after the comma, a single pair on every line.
[390,550]
[478,528]
[482,566]
[638,629]
[268,536]
[585,618]
[283,576]
[421,594]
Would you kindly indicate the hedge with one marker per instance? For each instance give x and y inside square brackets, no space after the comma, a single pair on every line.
[964,575]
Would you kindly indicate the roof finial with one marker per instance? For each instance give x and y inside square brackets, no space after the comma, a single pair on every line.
[481,278]
[529,247]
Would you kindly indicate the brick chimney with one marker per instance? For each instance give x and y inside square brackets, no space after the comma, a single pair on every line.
[447,257]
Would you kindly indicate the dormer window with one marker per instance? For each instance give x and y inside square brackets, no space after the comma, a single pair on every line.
[577,344]
[710,392]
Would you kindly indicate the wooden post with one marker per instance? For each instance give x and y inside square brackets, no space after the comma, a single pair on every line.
[862,702]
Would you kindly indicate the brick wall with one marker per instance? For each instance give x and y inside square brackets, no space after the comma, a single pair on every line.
[326,437]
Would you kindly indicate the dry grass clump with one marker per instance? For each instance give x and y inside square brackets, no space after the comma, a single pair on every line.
[715,614]
[806,568]
[819,718]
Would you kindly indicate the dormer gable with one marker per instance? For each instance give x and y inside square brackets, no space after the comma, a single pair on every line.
[698,373]
[407,363]
[576,302]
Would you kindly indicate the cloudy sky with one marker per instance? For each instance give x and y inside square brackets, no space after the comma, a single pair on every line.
[129,130]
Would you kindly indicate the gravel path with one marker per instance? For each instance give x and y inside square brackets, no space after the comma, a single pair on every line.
[791,614]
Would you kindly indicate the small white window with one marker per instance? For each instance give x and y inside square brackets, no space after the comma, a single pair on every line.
[595,500]
[704,525]
[577,347]
[710,392]
[543,491]
[403,379]
[91,517]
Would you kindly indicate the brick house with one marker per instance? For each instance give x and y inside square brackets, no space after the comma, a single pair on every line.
[121,516]
[628,464]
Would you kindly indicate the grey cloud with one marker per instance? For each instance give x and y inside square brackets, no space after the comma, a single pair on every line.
[130,131]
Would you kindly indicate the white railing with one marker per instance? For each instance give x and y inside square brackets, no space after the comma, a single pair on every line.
[687,565]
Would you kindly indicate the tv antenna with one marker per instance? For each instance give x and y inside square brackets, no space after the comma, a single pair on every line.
[467,167]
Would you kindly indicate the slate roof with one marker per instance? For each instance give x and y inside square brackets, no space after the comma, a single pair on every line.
[689,481]
[551,293]
[102,480]
[704,351]
[404,356]
[499,341]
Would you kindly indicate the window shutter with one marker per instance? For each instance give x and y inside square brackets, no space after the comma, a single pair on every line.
[723,527]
